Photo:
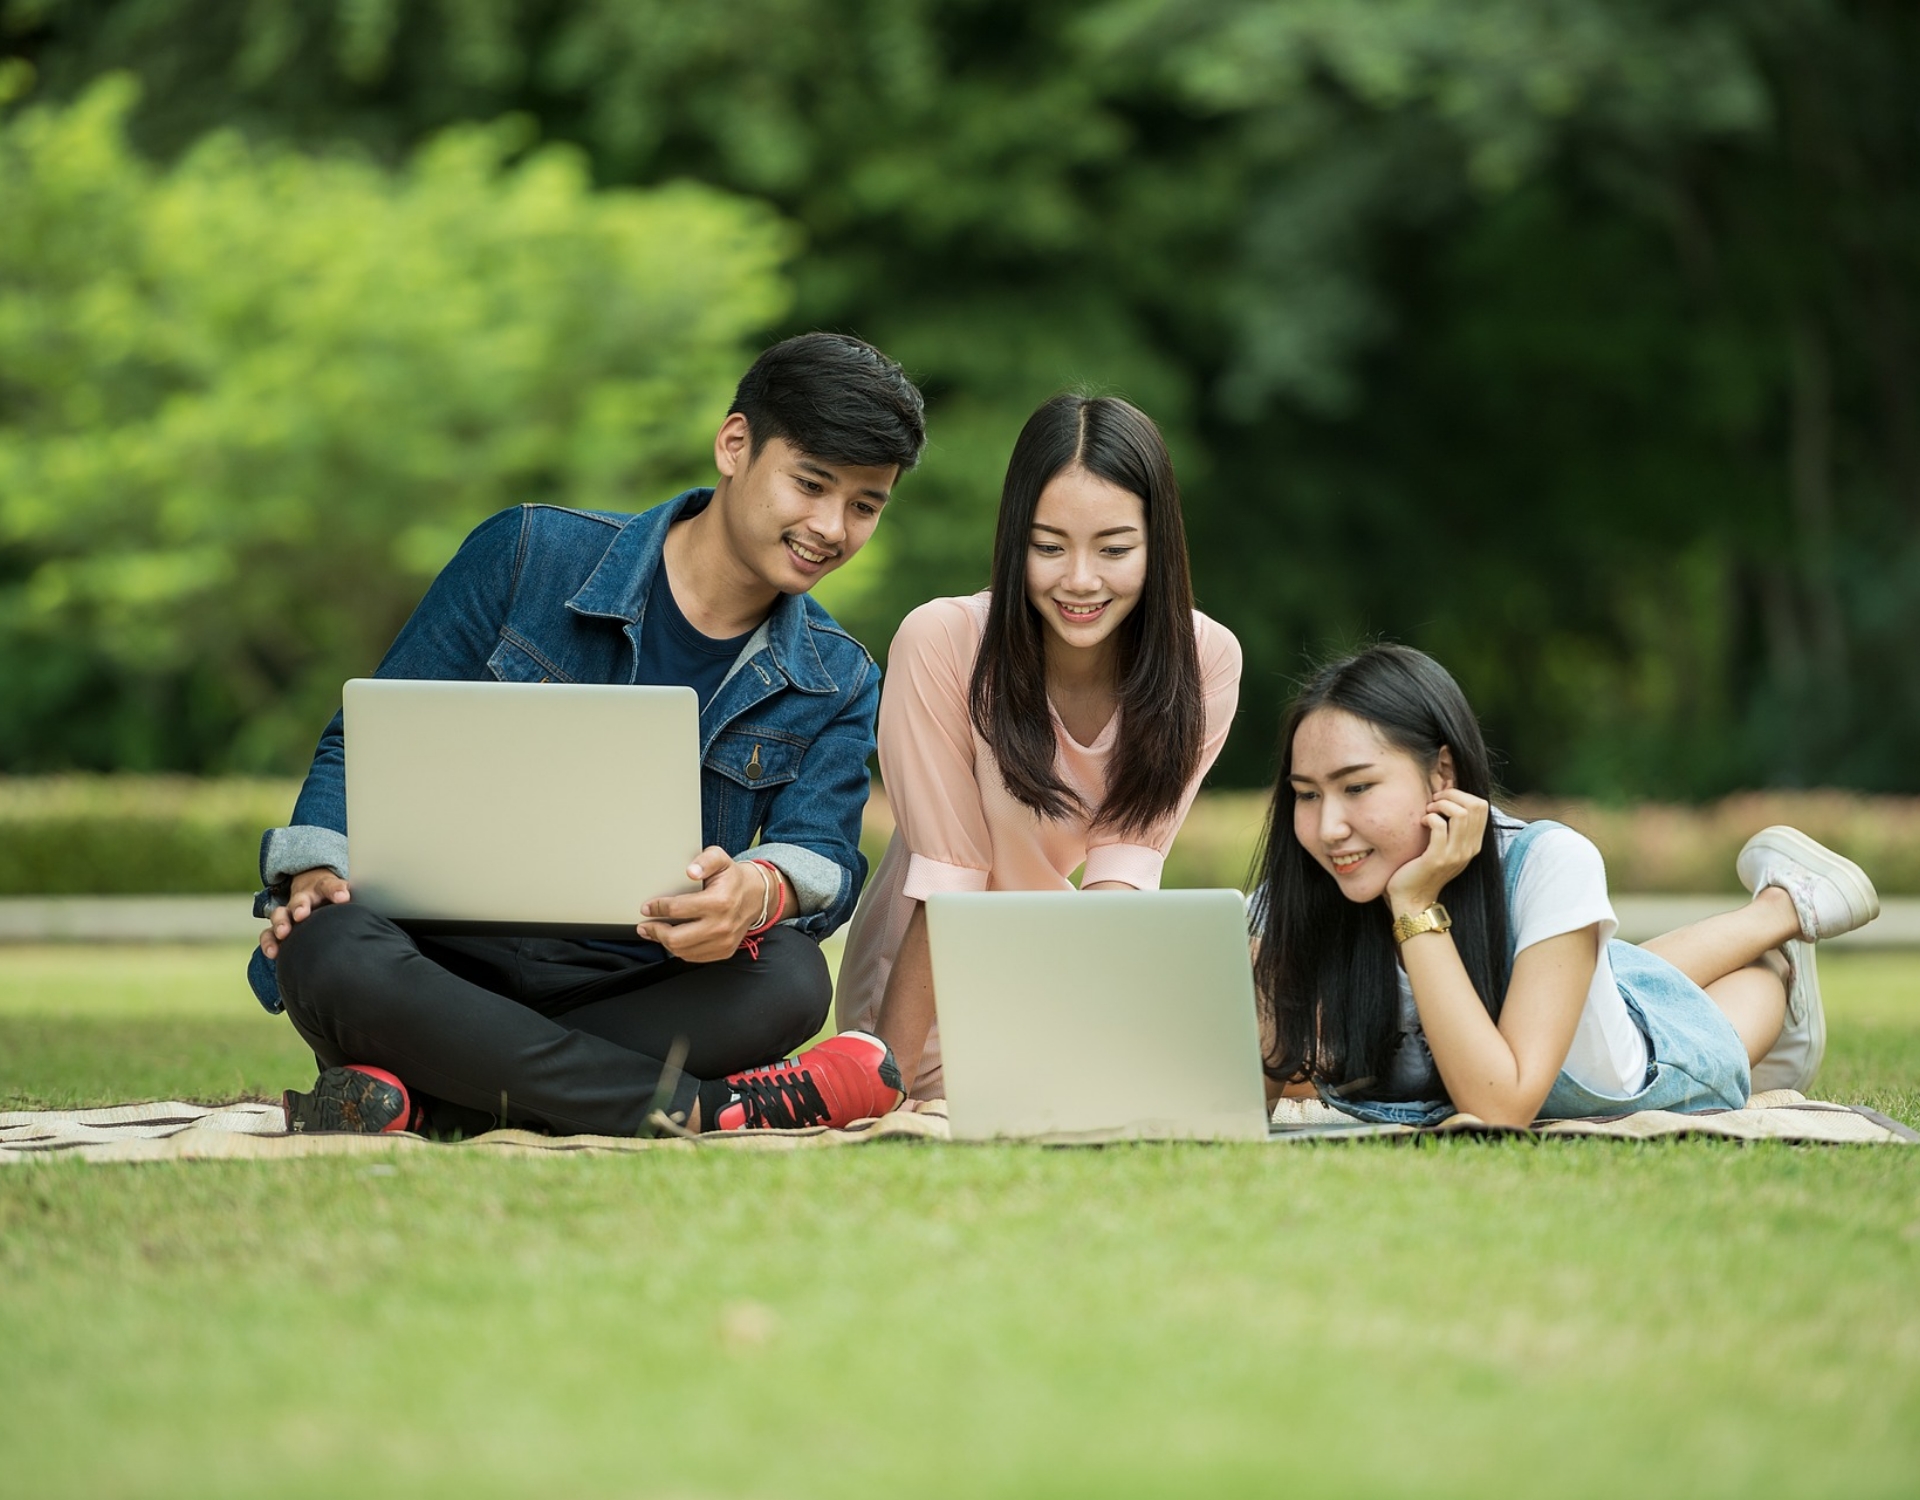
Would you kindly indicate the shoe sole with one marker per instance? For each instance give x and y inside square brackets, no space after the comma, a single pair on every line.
[1803,1009]
[1863,901]
[1806,985]
[346,1101]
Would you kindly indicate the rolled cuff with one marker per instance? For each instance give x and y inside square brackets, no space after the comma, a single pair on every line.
[816,880]
[285,852]
[931,877]
[1136,865]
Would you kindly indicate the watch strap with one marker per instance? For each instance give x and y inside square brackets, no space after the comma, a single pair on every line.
[1433,919]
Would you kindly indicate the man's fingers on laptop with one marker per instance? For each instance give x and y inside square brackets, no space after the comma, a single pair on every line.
[313,889]
[703,942]
[701,928]
[319,886]
[709,863]
[310,890]
[724,891]
[708,924]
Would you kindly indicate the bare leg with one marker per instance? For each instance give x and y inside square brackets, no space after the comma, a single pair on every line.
[1709,951]
[907,1008]
[1735,957]
[1755,1000]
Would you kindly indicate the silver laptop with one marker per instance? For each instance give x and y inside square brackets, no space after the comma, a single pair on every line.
[1108,1016]
[527,806]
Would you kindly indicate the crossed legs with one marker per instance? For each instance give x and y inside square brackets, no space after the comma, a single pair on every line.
[542,1032]
[1735,958]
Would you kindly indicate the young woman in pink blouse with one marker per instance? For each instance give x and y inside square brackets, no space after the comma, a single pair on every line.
[1063,717]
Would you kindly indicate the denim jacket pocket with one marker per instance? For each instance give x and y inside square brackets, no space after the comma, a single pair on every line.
[741,771]
[754,758]
[517,659]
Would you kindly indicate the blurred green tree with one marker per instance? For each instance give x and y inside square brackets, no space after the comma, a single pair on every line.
[249,404]
[1571,339]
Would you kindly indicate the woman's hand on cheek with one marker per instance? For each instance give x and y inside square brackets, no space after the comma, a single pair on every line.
[1456,828]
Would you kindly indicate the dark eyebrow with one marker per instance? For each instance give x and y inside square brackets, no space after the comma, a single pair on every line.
[1060,531]
[1337,775]
[821,471]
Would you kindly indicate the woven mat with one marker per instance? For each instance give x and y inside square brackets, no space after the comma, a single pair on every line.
[192,1132]
[226,1132]
[1781,1115]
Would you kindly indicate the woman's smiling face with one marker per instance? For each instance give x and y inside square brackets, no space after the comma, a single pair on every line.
[1358,801]
[1086,557]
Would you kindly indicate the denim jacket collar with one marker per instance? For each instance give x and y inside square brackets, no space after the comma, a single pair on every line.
[618,589]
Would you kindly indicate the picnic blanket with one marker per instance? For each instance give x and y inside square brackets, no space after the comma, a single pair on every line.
[251,1130]
[248,1129]
[1779,1115]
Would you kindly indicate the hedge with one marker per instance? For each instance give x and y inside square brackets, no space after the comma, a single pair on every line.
[134,835]
[124,835]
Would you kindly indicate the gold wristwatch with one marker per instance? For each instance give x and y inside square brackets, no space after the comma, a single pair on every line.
[1433,919]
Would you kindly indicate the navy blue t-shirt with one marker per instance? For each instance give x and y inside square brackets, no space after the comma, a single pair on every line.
[673,653]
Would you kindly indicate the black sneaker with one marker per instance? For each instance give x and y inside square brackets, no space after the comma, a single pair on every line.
[355,1100]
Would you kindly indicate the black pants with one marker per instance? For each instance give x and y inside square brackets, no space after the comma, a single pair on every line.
[542,1032]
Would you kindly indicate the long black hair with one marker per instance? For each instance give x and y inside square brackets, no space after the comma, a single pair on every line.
[1161,704]
[1325,970]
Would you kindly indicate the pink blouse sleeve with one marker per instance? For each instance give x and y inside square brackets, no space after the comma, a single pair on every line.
[927,752]
[1136,858]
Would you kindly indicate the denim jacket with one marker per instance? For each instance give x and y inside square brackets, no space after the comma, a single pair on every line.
[545,594]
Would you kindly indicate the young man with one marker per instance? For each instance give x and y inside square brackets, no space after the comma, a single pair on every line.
[689,1020]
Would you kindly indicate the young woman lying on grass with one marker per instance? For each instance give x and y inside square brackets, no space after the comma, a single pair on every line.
[1419,952]
[1062,718]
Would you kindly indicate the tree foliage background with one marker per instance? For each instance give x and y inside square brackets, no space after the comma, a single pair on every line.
[1573,340]
[251,403]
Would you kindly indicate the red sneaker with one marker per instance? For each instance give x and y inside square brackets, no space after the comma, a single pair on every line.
[357,1100]
[848,1077]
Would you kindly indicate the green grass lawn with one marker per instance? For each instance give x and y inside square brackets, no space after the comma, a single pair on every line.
[1461,1318]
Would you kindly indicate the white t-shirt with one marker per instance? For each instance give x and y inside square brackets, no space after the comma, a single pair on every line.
[1563,888]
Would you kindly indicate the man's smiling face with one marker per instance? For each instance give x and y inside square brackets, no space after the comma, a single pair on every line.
[792,518]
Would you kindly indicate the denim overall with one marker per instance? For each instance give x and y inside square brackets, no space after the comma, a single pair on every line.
[1698,1061]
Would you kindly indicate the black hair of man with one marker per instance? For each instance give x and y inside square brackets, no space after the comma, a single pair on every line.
[835,398]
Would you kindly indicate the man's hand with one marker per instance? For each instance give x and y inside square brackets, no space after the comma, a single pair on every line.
[708,925]
[311,890]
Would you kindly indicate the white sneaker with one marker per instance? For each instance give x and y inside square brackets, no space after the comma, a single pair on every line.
[1831,895]
[1793,1061]
[1830,892]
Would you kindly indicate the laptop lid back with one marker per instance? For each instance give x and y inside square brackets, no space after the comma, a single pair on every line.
[1110,1015]
[528,806]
